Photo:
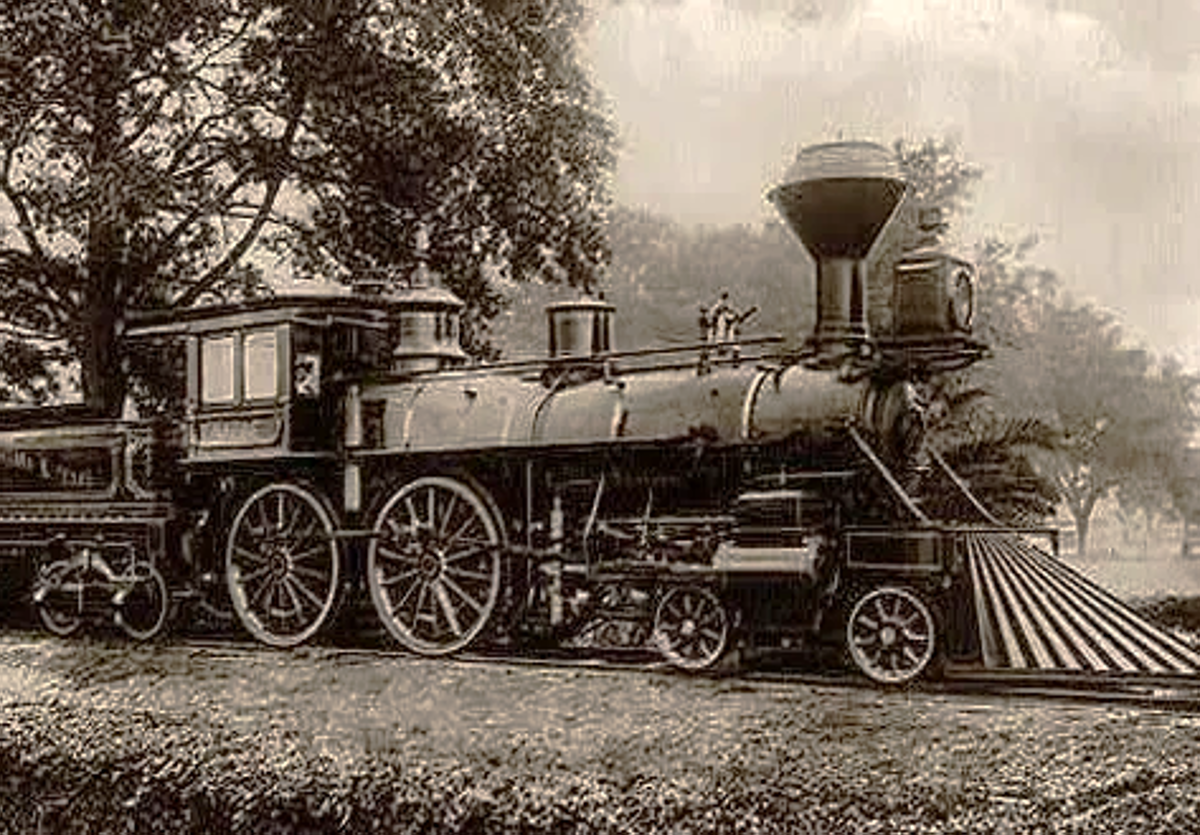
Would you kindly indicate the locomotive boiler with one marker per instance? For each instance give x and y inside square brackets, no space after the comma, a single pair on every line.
[733,495]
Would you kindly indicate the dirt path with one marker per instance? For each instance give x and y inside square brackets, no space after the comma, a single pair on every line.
[111,738]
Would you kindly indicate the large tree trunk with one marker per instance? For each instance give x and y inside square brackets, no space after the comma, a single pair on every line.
[101,370]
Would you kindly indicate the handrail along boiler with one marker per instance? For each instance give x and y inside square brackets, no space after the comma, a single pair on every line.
[692,501]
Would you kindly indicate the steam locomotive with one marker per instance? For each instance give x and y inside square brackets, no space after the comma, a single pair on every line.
[733,495]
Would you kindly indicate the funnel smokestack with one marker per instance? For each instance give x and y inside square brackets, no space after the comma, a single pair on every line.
[838,198]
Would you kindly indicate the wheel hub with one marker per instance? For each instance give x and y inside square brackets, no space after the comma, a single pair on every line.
[688,628]
[888,636]
[431,566]
[280,562]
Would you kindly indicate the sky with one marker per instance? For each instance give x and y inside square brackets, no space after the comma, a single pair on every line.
[1084,114]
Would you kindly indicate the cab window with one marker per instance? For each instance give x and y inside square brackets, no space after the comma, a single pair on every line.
[260,365]
[216,359]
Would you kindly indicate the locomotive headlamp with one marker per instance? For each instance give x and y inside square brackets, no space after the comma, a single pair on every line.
[933,296]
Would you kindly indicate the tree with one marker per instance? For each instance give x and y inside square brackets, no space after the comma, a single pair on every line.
[148,148]
[506,172]
[1124,417]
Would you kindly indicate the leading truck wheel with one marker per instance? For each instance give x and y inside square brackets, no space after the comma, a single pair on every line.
[691,628]
[434,564]
[891,635]
[63,621]
[282,564]
[144,605]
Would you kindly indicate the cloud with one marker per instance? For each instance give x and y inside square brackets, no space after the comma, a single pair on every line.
[1166,33]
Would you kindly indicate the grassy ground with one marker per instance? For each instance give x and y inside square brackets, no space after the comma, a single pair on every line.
[106,738]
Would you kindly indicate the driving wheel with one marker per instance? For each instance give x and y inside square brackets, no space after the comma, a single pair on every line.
[434,564]
[282,565]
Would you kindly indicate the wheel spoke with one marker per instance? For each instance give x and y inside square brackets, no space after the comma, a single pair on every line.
[454,587]
[396,556]
[455,556]
[447,516]
[397,578]
[443,598]
[879,608]
[308,533]
[468,575]
[254,575]
[311,552]
[297,609]
[253,556]
[399,605]
[420,602]
[457,535]
[313,597]
[313,573]
[262,591]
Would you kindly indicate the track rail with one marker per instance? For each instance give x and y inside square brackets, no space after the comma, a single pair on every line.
[1174,693]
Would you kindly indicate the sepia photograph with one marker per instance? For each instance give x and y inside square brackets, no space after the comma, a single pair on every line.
[504,417]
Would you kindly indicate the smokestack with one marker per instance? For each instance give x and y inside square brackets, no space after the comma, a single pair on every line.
[837,198]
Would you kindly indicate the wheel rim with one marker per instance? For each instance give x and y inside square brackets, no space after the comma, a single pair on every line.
[144,611]
[281,565]
[691,628]
[891,635]
[60,621]
[434,565]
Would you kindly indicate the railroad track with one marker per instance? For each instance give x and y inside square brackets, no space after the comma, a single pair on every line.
[1179,693]
[1164,692]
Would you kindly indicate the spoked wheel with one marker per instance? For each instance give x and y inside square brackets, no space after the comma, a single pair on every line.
[143,610]
[891,635]
[61,620]
[691,628]
[282,565]
[434,565]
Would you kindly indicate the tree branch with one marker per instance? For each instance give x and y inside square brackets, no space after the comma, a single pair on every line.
[24,221]
[164,247]
[189,296]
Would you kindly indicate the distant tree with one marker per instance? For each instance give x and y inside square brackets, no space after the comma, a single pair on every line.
[151,149]
[663,272]
[1124,417]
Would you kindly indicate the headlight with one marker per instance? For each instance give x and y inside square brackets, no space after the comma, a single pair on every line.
[961,290]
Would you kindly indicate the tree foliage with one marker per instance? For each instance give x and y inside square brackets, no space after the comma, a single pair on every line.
[148,147]
[1123,416]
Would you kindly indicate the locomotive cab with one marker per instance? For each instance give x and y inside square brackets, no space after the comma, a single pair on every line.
[262,377]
